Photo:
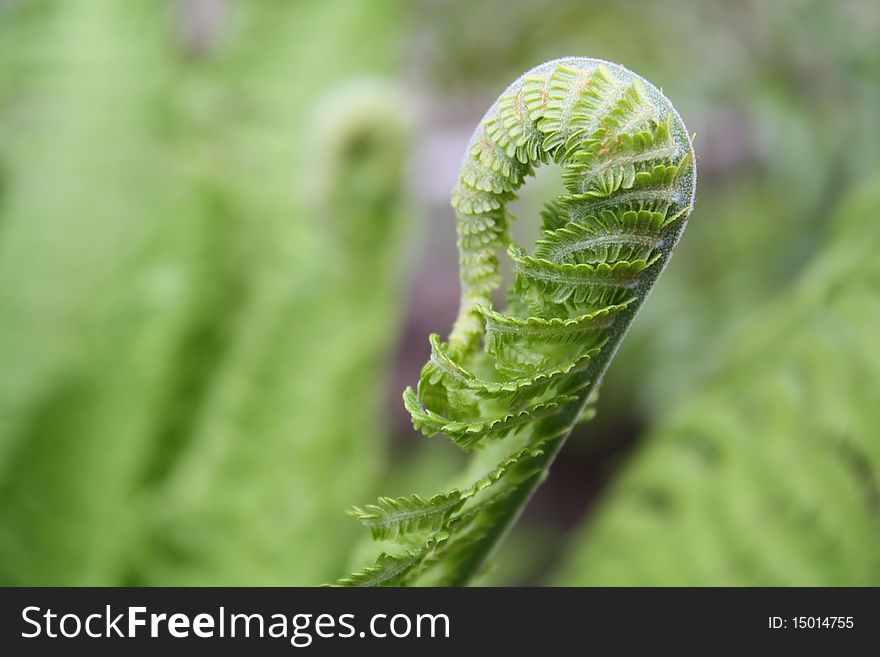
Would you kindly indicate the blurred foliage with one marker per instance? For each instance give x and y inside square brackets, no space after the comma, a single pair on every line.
[170,362]
[771,474]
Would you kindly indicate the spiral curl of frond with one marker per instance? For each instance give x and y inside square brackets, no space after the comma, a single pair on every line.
[526,374]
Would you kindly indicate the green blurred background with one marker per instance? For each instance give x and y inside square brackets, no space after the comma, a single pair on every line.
[225,236]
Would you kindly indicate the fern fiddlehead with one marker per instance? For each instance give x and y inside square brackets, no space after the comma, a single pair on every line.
[517,380]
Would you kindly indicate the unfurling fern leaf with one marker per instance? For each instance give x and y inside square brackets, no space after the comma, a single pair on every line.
[523,377]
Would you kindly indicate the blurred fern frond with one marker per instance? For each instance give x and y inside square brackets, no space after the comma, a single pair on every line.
[770,475]
[164,415]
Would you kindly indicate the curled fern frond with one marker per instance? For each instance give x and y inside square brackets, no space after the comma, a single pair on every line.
[524,376]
